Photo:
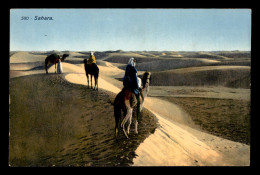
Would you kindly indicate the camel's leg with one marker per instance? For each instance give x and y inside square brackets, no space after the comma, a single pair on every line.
[128,115]
[117,114]
[116,130]
[125,131]
[88,80]
[91,81]
[125,119]
[127,104]
[96,83]
[136,124]
[130,121]
[46,66]
[55,69]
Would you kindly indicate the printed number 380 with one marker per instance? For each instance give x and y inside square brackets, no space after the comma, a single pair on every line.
[24,18]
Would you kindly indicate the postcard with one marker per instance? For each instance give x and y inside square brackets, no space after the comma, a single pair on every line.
[129,87]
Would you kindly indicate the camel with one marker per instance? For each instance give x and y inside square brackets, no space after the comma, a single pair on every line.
[126,101]
[54,59]
[93,70]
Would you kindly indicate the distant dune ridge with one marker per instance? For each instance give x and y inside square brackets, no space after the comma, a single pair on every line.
[230,69]
[229,76]
[192,96]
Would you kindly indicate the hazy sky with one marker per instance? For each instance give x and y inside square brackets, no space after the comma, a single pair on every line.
[131,29]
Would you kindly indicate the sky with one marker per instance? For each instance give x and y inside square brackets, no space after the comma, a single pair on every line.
[130,29]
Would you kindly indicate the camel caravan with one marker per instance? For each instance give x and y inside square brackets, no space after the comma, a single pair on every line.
[90,66]
[128,101]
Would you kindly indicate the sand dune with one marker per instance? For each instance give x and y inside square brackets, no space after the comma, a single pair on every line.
[174,142]
[25,57]
[202,92]
[57,123]
[171,144]
[178,145]
[227,76]
[205,68]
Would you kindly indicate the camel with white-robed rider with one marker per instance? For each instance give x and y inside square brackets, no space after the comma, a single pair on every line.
[125,102]
[91,68]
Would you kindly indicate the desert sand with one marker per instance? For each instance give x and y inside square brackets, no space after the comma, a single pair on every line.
[172,145]
[175,142]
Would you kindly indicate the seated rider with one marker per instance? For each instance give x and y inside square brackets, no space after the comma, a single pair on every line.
[132,82]
[91,58]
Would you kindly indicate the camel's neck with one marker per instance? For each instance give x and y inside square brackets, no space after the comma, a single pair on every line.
[145,90]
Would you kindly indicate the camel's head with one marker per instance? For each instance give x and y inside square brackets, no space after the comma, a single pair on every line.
[64,56]
[146,79]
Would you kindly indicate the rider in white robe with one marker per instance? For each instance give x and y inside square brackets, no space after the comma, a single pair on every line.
[59,68]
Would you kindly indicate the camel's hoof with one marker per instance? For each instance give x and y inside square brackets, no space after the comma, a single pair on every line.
[125,134]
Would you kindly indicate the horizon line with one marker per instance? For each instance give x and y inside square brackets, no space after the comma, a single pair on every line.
[131,50]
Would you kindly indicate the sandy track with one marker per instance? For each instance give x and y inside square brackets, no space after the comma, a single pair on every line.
[173,144]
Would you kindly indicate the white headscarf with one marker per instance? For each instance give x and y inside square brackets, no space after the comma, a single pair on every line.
[131,61]
[92,53]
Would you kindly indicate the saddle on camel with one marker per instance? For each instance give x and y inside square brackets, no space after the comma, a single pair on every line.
[92,69]
[131,98]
